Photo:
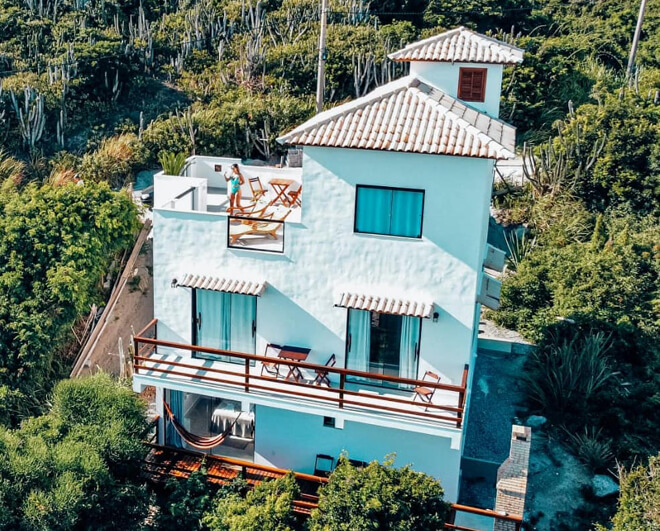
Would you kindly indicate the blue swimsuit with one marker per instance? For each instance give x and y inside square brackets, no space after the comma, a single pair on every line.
[235,184]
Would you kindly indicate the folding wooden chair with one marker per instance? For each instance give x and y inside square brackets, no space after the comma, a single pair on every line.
[273,369]
[293,196]
[256,187]
[322,374]
[425,394]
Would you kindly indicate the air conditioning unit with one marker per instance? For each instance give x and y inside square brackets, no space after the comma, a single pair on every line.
[490,292]
[495,258]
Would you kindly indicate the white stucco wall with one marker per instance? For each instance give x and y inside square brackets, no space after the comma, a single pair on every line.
[291,440]
[445,77]
[204,168]
[322,254]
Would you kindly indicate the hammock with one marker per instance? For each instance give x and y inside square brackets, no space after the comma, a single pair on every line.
[199,441]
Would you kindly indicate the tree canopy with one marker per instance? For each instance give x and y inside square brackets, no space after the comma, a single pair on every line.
[56,243]
[379,497]
[77,466]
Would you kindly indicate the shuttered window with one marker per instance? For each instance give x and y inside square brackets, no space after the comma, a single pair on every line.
[472,84]
[390,211]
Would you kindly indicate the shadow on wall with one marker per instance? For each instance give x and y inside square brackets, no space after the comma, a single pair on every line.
[303,330]
[453,214]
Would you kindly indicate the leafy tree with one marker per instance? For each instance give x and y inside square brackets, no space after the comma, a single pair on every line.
[57,243]
[184,503]
[639,500]
[269,507]
[627,171]
[77,467]
[613,283]
[379,497]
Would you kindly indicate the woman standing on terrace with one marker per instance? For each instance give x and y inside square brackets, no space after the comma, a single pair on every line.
[235,180]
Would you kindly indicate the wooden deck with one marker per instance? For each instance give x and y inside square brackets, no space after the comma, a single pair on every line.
[164,462]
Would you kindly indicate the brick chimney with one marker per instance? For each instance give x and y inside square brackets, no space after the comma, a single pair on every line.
[512,478]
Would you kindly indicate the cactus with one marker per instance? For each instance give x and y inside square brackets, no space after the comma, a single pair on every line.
[60,129]
[31,116]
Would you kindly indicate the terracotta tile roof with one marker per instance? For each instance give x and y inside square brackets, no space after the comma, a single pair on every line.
[460,45]
[383,304]
[407,115]
[228,285]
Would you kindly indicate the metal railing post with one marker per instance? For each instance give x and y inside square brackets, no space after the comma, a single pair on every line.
[247,375]
[342,384]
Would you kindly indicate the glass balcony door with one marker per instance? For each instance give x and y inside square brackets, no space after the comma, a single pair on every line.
[225,321]
[383,343]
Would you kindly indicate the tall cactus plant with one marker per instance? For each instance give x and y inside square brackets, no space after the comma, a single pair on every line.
[30,115]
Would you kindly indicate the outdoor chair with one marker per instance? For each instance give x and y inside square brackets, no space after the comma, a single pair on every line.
[324,465]
[257,188]
[293,195]
[423,393]
[322,374]
[272,369]
[260,228]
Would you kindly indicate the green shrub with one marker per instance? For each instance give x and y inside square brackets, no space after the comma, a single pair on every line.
[639,500]
[77,467]
[269,507]
[57,242]
[616,282]
[379,497]
[115,161]
[172,163]
[591,448]
[563,376]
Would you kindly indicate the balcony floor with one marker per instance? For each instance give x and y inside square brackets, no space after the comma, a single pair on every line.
[367,401]
[217,202]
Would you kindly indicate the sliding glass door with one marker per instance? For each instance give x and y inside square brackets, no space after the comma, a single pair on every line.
[225,321]
[383,344]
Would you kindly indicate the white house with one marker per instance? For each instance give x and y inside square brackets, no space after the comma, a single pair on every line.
[343,316]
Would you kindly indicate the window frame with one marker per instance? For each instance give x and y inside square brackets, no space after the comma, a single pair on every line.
[392,189]
[194,331]
[374,382]
[464,69]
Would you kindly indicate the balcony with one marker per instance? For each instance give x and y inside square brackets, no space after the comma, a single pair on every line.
[268,191]
[302,382]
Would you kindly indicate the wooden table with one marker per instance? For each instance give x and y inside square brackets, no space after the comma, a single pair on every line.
[280,186]
[295,354]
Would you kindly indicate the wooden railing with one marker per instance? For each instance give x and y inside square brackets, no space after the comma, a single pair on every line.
[220,470]
[338,394]
[516,520]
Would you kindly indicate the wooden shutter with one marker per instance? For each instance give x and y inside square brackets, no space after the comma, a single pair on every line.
[472,84]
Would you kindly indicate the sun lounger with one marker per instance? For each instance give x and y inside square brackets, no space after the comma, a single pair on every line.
[258,228]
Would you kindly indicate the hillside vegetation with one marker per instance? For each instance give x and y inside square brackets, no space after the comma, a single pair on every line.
[100,89]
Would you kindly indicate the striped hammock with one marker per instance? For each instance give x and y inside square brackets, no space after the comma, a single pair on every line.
[198,441]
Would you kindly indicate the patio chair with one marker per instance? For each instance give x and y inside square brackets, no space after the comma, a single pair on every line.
[324,465]
[293,195]
[256,187]
[273,369]
[322,374]
[423,393]
[260,228]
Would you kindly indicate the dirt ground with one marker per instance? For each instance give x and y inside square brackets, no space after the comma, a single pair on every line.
[134,309]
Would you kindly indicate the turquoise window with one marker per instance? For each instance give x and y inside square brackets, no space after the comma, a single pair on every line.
[390,211]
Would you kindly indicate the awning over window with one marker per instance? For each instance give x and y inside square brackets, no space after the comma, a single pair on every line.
[384,304]
[228,285]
